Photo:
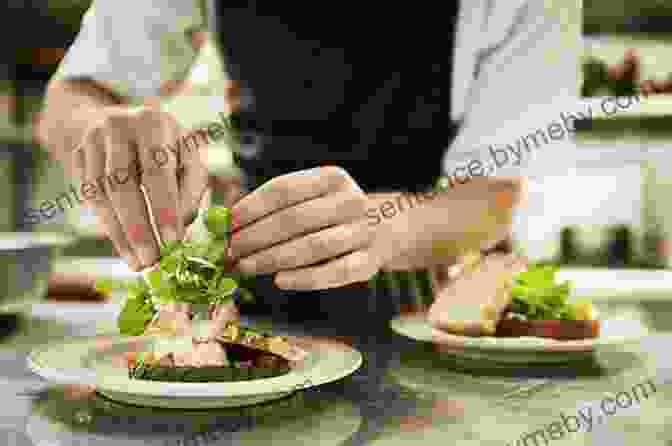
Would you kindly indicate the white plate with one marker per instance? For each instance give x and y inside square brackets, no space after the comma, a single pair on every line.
[614,333]
[99,361]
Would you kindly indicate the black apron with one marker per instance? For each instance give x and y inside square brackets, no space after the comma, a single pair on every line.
[358,85]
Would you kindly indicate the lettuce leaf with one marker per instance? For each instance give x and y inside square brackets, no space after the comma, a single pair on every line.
[135,316]
[537,295]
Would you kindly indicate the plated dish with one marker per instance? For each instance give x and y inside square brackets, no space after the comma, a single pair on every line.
[102,362]
[500,296]
[500,309]
[181,342]
[188,302]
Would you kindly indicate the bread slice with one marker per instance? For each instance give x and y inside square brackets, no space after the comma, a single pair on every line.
[474,303]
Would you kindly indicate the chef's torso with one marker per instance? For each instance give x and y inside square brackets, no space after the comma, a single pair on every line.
[354,84]
[351,84]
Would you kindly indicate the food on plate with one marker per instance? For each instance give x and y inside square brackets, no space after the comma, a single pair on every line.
[474,302]
[498,295]
[540,307]
[560,329]
[187,302]
[235,353]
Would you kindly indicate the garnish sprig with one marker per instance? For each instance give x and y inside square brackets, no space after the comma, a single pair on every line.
[191,271]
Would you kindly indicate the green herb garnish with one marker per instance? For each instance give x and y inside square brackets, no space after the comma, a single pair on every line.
[189,271]
[218,221]
[537,296]
[137,312]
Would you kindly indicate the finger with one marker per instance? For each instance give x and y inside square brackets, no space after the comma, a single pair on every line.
[288,190]
[304,218]
[232,95]
[646,87]
[128,199]
[666,85]
[229,186]
[193,178]
[658,85]
[155,138]
[316,247]
[616,72]
[203,203]
[90,162]
[631,64]
[358,266]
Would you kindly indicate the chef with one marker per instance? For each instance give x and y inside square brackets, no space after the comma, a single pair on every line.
[348,105]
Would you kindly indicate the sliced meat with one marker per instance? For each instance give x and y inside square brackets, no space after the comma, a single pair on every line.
[210,354]
[173,319]
[202,355]
[475,301]
[166,361]
[270,361]
[185,359]
[221,315]
[555,329]
[233,333]
[284,349]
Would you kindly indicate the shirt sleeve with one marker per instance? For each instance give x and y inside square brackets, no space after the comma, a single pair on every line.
[524,91]
[133,47]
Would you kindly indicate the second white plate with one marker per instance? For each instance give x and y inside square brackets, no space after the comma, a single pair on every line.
[613,334]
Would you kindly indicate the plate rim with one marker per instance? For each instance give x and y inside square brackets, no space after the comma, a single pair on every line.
[289,382]
[500,345]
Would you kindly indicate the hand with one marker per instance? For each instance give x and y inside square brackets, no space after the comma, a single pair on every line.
[309,227]
[232,95]
[227,186]
[656,86]
[132,150]
[628,69]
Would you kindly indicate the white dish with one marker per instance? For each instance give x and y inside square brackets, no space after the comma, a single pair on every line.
[99,361]
[614,333]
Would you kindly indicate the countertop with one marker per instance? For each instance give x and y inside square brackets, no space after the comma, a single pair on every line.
[405,392]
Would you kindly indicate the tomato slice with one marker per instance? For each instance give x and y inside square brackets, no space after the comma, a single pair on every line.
[131,358]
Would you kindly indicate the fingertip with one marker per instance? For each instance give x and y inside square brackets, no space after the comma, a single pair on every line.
[235,221]
[148,254]
[283,282]
[132,262]
[169,234]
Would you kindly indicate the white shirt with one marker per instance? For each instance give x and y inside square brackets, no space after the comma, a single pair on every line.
[515,66]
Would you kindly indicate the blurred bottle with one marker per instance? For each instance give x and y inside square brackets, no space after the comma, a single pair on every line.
[569,246]
[656,214]
[654,247]
[619,248]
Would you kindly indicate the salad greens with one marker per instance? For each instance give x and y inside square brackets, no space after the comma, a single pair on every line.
[190,271]
[536,296]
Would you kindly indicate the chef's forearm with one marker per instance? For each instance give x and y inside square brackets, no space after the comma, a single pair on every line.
[472,217]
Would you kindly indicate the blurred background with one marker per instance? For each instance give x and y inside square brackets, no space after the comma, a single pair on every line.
[608,205]
[601,202]
[30,176]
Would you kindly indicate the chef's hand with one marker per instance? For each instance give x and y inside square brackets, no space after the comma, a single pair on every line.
[130,148]
[309,227]
[630,69]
